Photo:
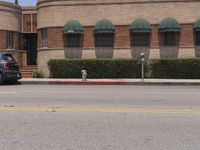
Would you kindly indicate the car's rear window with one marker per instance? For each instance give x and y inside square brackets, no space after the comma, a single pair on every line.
[9,57]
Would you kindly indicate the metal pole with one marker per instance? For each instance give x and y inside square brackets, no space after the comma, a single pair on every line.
[142,70]
[142,67]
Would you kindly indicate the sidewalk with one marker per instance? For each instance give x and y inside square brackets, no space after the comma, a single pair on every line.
[47,81]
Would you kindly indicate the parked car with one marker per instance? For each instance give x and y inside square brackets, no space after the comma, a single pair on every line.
[9,69]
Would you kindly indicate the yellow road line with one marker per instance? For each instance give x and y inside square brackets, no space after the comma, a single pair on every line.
[103,110]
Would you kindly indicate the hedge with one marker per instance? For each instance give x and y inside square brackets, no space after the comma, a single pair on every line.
[175,68]
[96,68]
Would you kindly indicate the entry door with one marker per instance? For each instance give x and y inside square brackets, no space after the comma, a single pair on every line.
[30,45]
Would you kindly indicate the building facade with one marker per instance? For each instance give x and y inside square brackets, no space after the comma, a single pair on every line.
[58,29]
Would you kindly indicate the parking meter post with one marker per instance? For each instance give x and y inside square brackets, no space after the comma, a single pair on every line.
[142,71]
[142,67]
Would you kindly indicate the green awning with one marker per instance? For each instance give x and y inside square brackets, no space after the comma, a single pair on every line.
[73,27]
[169,25]
[140,25]
[104,26]
[196,26]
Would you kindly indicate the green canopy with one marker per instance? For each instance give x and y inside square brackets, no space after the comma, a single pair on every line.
[104,26]
[196,26]
[16,2]
[73,27]
[140,25]
[169,25]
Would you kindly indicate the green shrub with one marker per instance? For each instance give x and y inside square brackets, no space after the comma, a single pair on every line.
[96,68]
[38,74]
[175,68]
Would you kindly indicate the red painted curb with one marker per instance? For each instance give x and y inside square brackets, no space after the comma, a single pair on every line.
[88,82]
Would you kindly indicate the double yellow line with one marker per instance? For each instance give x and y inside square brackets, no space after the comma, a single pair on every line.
[103,110]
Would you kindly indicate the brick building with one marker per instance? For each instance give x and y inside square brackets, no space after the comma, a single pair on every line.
[100,29]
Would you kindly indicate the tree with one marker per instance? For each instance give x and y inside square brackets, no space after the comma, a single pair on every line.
[16,2]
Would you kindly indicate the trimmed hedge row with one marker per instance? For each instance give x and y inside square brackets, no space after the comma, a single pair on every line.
[125,68]
[175,68]
[96,68]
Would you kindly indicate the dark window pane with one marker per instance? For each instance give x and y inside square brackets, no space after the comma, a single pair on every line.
[140,39]
[73,40]
[197,38]
[44,37]
[25,44]
[169,39]
[104,40]
[9,40]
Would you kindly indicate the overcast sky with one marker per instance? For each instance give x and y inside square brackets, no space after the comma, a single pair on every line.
[24,2]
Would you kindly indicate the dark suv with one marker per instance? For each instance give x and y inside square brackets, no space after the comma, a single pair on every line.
[9,69]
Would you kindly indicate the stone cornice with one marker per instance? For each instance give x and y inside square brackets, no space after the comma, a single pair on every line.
[47,3]
[127,25]
[10,6]
[29,10]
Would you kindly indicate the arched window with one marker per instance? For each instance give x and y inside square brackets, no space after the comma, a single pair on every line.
[140,33]
[104,33]
[169,29]
[73,29]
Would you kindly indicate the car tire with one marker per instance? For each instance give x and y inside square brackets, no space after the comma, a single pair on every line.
[13,82]
[1,79]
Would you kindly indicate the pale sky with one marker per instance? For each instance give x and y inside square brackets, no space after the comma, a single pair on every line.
[23,2]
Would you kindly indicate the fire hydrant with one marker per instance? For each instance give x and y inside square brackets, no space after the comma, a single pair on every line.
[84,75]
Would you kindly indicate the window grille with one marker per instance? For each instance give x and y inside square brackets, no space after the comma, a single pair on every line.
[44,37]
[140,39]
[104,40]
[9,40]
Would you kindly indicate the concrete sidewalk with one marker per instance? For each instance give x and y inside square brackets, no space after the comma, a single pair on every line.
[48,81]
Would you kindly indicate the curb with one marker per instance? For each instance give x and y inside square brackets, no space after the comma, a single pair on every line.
[112,82]
[72,83]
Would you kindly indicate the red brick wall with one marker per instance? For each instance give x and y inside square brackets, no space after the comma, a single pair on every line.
[16,41]
[26,22]
[3,39]
[154,36]
[39,41]
[122,37]
[88,38]
[161,38]
[29,25]
[34,23]
[55,38]
[186,36]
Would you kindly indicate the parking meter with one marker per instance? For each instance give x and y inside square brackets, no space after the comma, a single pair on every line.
[142,62]
[84,75]
[142,57]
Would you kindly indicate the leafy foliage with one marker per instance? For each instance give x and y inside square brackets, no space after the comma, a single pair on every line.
[38,74]
[176,68]
[96,68]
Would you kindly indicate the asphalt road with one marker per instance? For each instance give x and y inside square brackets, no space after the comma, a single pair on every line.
[59,117]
